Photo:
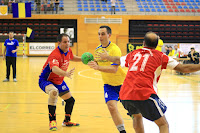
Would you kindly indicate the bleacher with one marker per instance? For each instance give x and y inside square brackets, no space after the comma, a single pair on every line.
[100,6]
[169,5]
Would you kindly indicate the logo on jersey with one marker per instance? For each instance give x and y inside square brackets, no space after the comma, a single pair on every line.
[64,87]
[65,65]
[10,43]
[55,62]
[106,95]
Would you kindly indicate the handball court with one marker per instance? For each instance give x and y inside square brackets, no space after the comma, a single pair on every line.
[23,105]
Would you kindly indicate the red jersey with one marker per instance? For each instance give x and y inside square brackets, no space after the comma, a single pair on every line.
[56,58]
[145,66]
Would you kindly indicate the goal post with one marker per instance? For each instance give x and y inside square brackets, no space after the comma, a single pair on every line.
[23,46]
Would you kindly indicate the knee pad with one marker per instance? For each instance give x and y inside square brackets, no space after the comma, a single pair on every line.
[53,96]
[71,100]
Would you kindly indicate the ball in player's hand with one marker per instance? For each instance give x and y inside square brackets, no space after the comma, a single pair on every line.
[87,57]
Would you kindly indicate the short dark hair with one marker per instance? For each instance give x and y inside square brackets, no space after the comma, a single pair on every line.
[109,31]
[60,36]
[170,46]
[150,41]
[11,32]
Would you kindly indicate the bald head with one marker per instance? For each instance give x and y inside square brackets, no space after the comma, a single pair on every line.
[151,39]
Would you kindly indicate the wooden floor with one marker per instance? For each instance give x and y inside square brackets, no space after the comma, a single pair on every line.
[23,106]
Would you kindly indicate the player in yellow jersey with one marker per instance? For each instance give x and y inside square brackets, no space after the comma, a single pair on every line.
[112,75]
[159,46]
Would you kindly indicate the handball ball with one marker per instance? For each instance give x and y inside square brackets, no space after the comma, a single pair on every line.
[87,57]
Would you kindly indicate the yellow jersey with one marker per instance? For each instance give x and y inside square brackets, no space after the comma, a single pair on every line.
[160,44]
[113,79]
[172,53]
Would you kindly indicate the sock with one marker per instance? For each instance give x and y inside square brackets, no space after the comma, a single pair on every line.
[52,114]
[68,108]
[121,128]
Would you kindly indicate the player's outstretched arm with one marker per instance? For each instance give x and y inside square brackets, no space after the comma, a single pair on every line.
[76,58]
[187,68]
[108,69]
[60,72]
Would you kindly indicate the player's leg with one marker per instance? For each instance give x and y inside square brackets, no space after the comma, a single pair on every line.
[138,123]
[13,62]
[135,114]
[162,124]
[111,94]
[52,91]
[65,94]
[8,63]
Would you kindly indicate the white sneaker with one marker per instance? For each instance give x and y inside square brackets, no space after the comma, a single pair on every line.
[6,80]
[14,80]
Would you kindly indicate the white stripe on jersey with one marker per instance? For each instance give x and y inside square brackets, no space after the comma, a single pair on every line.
[123,61]
[158,107]
[157,73]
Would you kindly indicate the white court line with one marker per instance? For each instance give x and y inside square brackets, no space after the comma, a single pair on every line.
[79,73]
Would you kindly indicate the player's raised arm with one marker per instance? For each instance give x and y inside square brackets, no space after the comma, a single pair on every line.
[76,58]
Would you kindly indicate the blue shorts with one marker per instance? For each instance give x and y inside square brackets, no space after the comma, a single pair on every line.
[111,92]
[61,88]
[151,109]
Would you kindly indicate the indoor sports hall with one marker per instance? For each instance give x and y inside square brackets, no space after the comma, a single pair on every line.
[23,105]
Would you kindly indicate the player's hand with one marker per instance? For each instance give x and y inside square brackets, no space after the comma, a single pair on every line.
[93,64]
[70,73]
[3,57]
[101,56]
[13,51]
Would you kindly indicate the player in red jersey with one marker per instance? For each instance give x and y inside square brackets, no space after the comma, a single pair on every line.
[52,82]
[139,90]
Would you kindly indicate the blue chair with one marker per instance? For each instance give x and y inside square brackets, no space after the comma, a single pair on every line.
[196,7]
[150,3]
[179,7]
[185,7]
[117,10]
[155,3]
[162,6]
[32,9]
[98,6]
[153,10]
[108,2]
[148,0]
[97,2]
[147,10]
[85,6]
[181,1]
[186,0]
[191,7]
[146,7]
[84,2]
[140,6]
[116,6]
[197,1]
[161,3]
[109,6]
[159,0]
[165,10]
[105,9]
[98,9]
[123,10]
[189,4]
[80,9]
[194,4]
[103,2]
[191,0]
[86,9]
[92,9]
[141,10]
[138,0]
[122,6]
[32,5]
[61,2]
[175,0]
[199,4]
[144,3]
[91,5]
[120,0]
[159,10]
[121,3]
[61,5]
[151,6]
[139,3]
[104,6]
[79,5]
[91,2]
[157,6]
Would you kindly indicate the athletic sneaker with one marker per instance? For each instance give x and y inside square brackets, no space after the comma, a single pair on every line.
[14,80]
[53,125]
[69,124]
[6,80]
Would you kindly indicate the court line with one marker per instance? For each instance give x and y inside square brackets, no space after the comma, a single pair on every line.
[79,73]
